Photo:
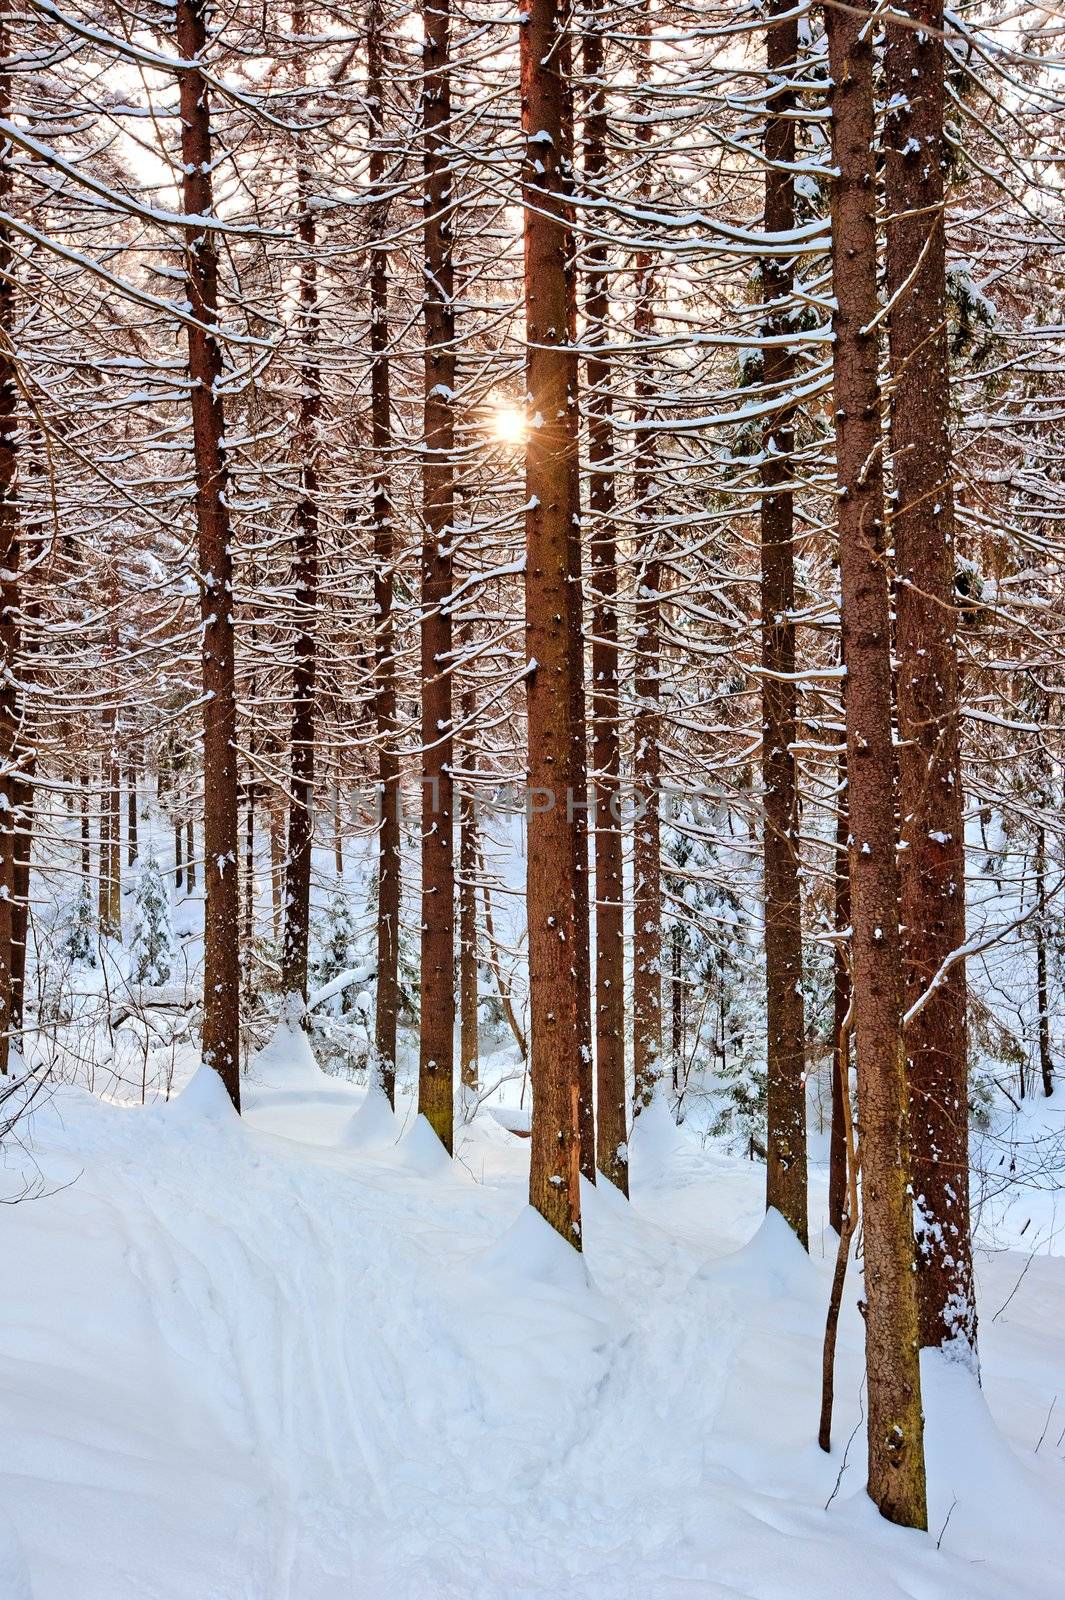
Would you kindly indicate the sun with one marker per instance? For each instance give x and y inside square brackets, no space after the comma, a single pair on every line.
[508,425]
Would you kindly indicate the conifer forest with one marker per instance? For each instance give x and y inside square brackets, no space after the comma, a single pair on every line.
[532,799]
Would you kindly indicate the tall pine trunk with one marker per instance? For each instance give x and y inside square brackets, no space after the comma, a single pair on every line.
[647,692]
[249,870]
[436,1066]
[895,1428]
[582,955]
[221,967]
[612,1128]
[277,863]
[932,864]
[646,829]
[86,834]
[551,510]
[841,1001]
[1046,1060]
[131,815]
[20,911]
[785,1019]
[305,596]
[8,546]
[389,865]
[468,856]
[110,897]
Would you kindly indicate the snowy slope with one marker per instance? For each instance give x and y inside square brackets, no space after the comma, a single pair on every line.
[297,1358]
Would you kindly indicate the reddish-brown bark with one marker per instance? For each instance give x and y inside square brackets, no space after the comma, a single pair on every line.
[436,1068]
[646,827]
[1046,1059]
[575,621]
[9,519]
[895,1428]
[221,972]
[841,1032]
[468,857]
[384,556]
[932,864]
[110,885]
[612,1127]
[131,815]
[647,693]
[305,600]
[785,1019]
[554,1185]
[249,874]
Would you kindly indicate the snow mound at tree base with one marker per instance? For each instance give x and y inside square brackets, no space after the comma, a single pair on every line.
[979,1489]
[421,1152]
[532,1251]
[773,1262]
[286,1061]
[374,1125]
[203,1099]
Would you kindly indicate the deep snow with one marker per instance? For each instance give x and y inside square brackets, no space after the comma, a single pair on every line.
[303,1357]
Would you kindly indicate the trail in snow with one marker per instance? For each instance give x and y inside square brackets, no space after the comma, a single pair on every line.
[294,1358]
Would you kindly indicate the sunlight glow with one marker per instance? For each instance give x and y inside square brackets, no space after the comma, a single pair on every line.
[508,425]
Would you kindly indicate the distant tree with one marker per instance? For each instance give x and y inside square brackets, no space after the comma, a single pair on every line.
[151,946]
[80,943]
[338,944]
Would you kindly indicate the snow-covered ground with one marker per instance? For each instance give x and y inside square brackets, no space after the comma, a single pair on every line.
[304,1357]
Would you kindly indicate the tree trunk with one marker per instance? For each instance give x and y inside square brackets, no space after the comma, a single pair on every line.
[848,1223]
[86,834]
[103,849]
[114,873]
[338,832]
[551,510]
[1046,1062]
[20,910]
[384,558]
[646,736]
[388,772]
[785,1017]
[179,833]
[8,546]
[646,834]
[612,1131]
[468,857]
[190,859]
[676,1006]
[221,970]
[110,899]
[841,1033]
[932,863]
[582,955]
[249,870]
[436,1067]
[131,816]
[895,1436]
[305,598]
[32,541]
[277,863]
[468,854]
